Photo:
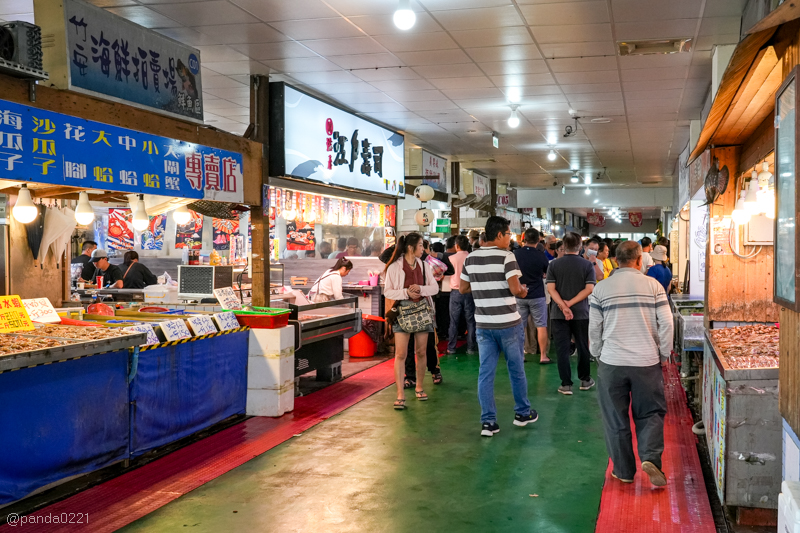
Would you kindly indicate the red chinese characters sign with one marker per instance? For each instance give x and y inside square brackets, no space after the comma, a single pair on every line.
[596,219]
[635,219]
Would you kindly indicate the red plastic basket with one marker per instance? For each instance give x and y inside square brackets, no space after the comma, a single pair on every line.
[263,321]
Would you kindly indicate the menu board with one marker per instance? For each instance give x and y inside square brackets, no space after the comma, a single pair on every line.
[201,325]
[227,298]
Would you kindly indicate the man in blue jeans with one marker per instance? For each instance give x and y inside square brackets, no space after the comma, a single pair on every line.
[460,304]
[492,276]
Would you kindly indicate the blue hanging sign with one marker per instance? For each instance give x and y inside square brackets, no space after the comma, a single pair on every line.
[46,147]
[113,57]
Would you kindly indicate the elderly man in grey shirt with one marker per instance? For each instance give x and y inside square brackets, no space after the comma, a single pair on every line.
[630,333]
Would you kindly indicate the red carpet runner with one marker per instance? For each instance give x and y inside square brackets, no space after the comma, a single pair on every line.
[680,507]
[133,495]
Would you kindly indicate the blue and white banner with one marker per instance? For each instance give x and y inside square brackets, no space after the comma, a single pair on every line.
[47,147]
[112,56]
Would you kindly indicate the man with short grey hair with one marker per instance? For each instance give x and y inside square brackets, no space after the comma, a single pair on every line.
[630,326]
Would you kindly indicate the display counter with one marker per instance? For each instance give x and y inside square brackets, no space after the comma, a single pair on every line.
[82,403]
[320,330]
[740,414]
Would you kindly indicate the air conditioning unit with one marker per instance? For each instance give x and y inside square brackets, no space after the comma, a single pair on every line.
[21,50]
[21,43]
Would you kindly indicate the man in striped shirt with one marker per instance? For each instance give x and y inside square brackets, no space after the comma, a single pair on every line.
[630,326]
[492,276]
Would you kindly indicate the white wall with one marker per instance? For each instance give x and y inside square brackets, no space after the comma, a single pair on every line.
[606,197]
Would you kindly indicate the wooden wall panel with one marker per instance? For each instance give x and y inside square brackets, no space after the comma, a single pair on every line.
[738,290]
[789,395]
[87,107]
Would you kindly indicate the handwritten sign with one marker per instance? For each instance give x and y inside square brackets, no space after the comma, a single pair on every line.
[152,338]
[13,316]
[226,321]
[201,325]
[227,298]
[175,330]
[41,310]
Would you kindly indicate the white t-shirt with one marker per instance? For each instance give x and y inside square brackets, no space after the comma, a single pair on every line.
[330,285]
[647,262]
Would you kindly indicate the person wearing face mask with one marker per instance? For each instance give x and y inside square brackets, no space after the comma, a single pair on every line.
[592,249]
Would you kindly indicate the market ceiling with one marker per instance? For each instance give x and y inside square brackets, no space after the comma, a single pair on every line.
[449,81]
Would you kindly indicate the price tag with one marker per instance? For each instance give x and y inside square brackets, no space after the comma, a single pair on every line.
[13,316]
[201,325]
[152,338]
[226,321]
[175,330]
[227,298]
[41,310]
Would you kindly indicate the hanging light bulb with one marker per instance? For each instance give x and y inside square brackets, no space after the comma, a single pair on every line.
[751,198]
[24,210]
[140,219]
[740,214]
[84,214]
[587,191]
[513,120]
[181,215]
[552,155]
[404,18]
[574,178]
[766,190]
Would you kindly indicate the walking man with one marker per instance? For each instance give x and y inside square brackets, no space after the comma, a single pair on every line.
[533,265]
[461,305]
[570,281]
[492,276]
[630,326]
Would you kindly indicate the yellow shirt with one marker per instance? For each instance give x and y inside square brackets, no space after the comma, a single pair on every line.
[607,268]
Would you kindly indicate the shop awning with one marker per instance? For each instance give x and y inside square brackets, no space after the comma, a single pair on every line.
[786,12]
[745,94]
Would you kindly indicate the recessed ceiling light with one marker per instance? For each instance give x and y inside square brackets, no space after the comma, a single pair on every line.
[601,120]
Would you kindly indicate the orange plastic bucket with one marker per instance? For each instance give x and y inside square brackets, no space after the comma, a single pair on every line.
[361,345]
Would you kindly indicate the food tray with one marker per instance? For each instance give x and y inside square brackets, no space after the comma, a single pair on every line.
[730,373]
[69,350]
[263,320]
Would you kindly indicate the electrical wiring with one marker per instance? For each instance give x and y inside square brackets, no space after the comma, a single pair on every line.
[733,249]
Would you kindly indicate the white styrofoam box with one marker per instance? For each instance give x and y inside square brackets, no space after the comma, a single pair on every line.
[271,341]
[791,454]
[270,402]
[268,371]
[789,507]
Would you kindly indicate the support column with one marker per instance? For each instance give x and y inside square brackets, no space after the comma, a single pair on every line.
[455,212]
[259,118]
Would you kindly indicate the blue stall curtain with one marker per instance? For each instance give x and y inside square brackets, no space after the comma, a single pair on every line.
[181,389]
[61,420]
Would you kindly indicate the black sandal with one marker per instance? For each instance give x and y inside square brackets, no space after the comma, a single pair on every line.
[437,378]
[399,405]
[409,383]
[421,396]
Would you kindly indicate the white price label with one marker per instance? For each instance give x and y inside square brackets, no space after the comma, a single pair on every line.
[152,338]
[227,298]
[41,310]
[175,330]
[226,321]
[202,325]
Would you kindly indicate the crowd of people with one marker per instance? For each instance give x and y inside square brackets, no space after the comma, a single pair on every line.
[601,300]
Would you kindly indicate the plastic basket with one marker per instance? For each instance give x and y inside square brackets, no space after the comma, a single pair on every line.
[265,318]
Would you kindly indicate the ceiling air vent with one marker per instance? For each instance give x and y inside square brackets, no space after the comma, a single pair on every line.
[660,46]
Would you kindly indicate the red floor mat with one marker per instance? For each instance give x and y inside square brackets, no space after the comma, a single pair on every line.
[681,507]
[133,495]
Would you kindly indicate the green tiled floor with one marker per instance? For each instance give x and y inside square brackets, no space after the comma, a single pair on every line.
[425,469]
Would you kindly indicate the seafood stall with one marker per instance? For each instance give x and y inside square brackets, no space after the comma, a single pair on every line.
[64,392]
[319,332]
[740,414]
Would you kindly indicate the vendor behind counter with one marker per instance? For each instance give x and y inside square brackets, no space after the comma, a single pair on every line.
[329,285]
[112,275]
[85,259]
[136,276]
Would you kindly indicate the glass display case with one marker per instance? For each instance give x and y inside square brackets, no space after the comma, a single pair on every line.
[785,261]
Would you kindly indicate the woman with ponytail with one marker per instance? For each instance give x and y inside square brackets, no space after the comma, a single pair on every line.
[329,285]
[408,288]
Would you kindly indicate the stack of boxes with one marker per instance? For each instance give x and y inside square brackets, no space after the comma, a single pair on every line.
[270,372]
